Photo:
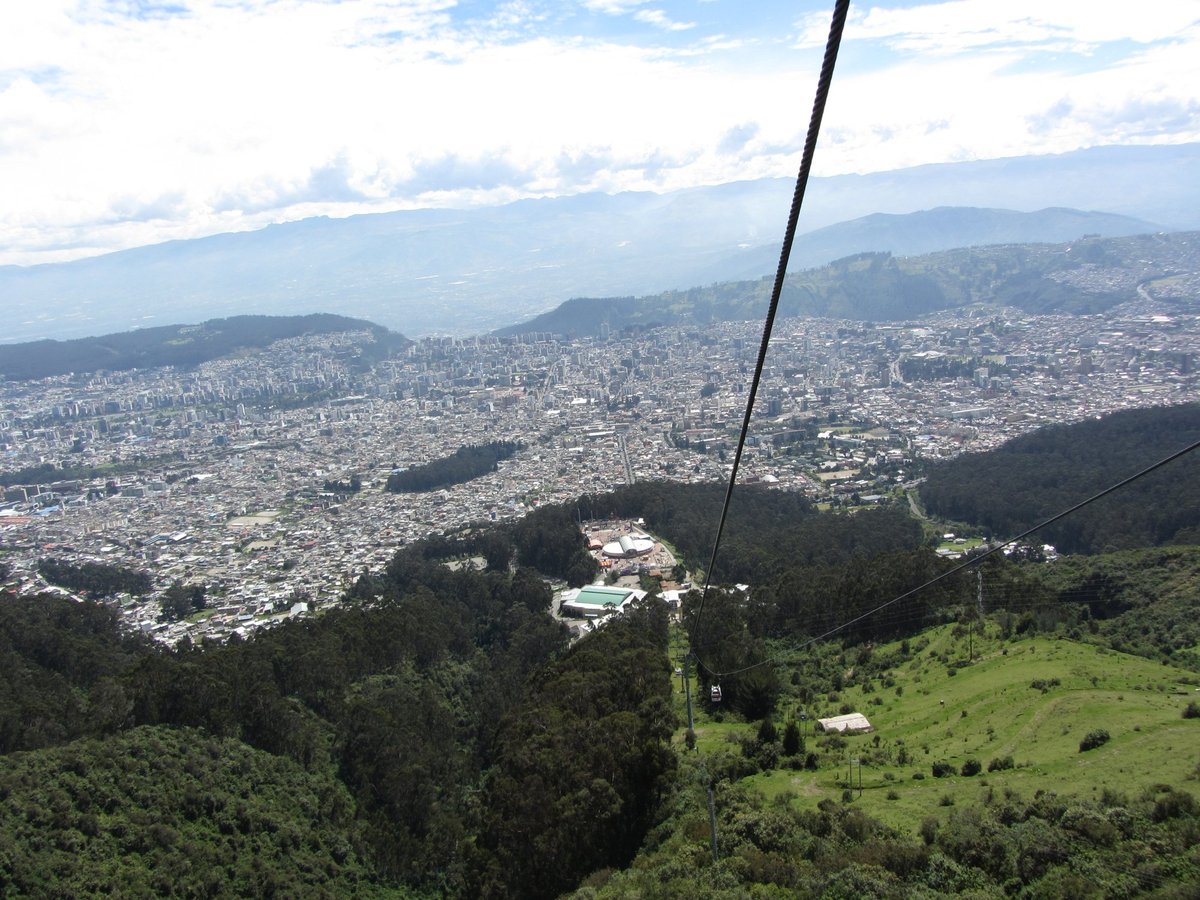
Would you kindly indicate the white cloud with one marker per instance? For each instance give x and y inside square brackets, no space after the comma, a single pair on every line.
[988,78]
[971,25]
[636,8]
[119,128]
[659,19]
[613,7]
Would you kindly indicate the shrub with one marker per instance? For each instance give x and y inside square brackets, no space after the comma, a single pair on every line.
[971,767]
[892,795]
[791,740]
[929,830]
[767,733]
[1094,739]
[1192,710]
[1173,805]
[918,776]
[941,769]
[1000,763]
[768,756]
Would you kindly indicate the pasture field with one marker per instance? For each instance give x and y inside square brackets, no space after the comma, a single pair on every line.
[1028,699]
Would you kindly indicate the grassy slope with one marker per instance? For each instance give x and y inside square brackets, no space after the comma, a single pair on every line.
[1139,702]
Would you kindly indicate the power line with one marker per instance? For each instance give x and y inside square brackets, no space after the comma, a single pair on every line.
[973,561]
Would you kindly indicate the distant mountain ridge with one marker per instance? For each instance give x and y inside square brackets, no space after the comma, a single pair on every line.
[1036,278]
[943,228]
[173,345]
[468,271]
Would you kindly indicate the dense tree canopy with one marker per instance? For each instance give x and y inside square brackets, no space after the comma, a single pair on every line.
[767,531]
[462,465]
[167,812]
[1046,846]
[415,693]
[1033,477]
[94,578]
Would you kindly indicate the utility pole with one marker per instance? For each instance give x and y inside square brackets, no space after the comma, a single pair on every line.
[712,821]
[687,687]
[978,611]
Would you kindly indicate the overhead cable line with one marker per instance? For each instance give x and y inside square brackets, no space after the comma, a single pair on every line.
[837,24]
[973,561]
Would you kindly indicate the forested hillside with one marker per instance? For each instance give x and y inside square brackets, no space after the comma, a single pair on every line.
[1033,477]
[415,693]
[767,532]
[437,734]
[175,812]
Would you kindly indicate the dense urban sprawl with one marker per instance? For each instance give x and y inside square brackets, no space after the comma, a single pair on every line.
[237,475]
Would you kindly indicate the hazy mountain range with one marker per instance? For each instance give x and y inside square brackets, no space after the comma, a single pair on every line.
[1037,278]
[468,271]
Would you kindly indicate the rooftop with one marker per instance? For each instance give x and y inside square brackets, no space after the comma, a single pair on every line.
[597,595]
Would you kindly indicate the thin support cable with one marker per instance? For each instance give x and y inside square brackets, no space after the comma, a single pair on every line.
[973,561]
[836,26]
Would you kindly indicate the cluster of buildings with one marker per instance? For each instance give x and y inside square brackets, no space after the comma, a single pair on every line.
[236,474]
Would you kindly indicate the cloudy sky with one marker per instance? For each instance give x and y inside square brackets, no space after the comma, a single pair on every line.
[126,122]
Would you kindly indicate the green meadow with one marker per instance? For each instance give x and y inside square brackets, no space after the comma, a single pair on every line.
[1028,700]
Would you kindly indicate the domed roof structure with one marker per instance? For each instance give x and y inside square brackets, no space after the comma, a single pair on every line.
[627,546]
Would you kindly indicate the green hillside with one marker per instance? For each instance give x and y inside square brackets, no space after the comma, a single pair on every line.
[438,732]
[990,710]
[163,812]
[1118,820]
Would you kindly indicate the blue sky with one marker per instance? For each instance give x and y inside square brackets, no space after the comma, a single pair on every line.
[126,122]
